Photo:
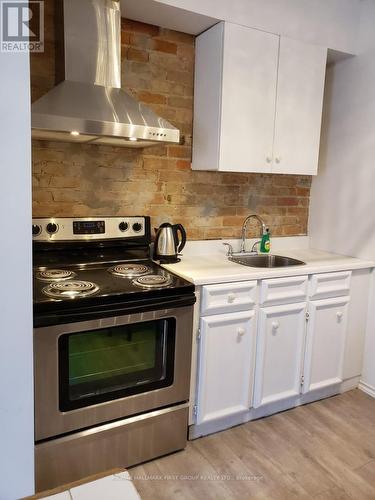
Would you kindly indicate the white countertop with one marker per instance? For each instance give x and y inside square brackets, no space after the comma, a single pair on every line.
[215,267]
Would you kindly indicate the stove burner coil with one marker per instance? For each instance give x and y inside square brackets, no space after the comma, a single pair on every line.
[129,270]
[70,289]
[54,275]
[153,281]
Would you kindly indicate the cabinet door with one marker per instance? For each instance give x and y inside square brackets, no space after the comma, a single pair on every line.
[300,89]
[326,334]
[207,98]
[248,99]
[280,348]
[226,365]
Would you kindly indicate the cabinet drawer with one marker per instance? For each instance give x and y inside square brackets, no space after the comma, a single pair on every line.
[280,291]
[228,297]
[330,285]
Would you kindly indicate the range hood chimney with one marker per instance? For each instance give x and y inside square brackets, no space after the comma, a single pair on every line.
[89,106]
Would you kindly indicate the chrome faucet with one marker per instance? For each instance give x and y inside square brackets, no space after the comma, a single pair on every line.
[244,229]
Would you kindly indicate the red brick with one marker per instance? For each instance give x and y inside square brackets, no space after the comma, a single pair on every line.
[170,88]
[303,191]
[157,150]
[156,163]
[233,221]
[125,38]
[300,211]
[65,182]
[303,202]
[186,52]
[140,40]
[181,177]
[286,201]
[164,46]
[176,36]
[229,178]
[184,115]
[284,180]
[179,152]
[183,165]
[42,196]
[181,102]
[282,191]
[138,27]
[157,199]
[137,55]
[189,91]
[292,230]
[180,77]
[150,97]
[196,233]
[304,181]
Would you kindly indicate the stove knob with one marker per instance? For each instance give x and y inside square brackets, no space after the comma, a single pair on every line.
[36,229]
[137,227]
[52,228]
[123,226]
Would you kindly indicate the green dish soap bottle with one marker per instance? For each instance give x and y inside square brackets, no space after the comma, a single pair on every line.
[265,244]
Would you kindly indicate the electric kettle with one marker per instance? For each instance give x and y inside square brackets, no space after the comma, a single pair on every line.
[167,242]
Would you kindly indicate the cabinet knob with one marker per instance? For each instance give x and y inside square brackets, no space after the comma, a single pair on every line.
[231,297]
[277,159]
[268,159]
[241,332]
[339,315]
[275,325]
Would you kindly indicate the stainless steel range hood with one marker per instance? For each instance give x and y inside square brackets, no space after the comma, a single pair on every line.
[89,106]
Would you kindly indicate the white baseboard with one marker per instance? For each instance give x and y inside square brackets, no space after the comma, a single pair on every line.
[368,389]
[350,383]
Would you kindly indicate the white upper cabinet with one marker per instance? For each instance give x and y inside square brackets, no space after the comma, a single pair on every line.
[300,89]
[247,99]
[258,102]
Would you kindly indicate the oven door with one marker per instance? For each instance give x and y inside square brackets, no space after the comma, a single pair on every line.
[96,371]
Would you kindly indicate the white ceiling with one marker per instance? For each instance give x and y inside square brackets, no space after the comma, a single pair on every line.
[167,16]
[153,12]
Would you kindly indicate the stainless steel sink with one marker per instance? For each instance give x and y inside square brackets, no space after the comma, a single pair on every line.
[265,260]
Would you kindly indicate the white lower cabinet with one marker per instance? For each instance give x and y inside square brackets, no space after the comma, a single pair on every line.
[280,351]
[226,365]
[326,335]
[270,354]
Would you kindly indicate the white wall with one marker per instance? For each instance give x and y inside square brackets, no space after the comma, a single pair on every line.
[342,210]
[331,23]
[16,366]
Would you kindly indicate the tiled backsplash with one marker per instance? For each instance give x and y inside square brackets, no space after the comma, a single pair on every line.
[158,68]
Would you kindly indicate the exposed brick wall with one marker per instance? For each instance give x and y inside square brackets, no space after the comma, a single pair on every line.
[158,68]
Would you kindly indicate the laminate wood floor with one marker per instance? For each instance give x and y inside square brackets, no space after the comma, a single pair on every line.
[324,450]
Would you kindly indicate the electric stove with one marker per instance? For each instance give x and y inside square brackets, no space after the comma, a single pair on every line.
[113,335]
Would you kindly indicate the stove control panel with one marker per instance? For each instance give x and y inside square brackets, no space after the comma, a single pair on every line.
[89,228]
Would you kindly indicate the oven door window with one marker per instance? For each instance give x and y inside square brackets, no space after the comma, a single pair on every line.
[111,363]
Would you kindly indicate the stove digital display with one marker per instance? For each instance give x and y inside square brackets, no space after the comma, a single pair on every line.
[89,227]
